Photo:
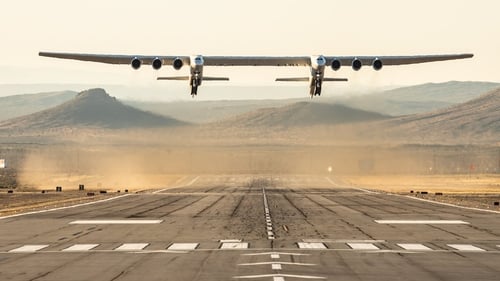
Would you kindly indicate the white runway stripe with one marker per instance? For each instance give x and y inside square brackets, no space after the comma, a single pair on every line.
[183,246]
[232,245]
[132,247]
[116,222]
[465,247]
[311,245]
[362,246]
[414,247]
[80,247]
[276,266]
[28,249]
[421,222]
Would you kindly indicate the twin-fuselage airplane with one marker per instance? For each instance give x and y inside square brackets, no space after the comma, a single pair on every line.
[317,64]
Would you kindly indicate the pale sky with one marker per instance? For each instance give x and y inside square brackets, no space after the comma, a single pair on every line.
[257,27]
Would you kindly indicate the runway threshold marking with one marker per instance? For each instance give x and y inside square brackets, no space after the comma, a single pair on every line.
[362,246]
[421,222]
[80,247]
[465,247]
[132,247]
[28,249]
[116,222]
[282,276]
[311,245]
[183,246]
[414,247]
[234,245]
[277,262]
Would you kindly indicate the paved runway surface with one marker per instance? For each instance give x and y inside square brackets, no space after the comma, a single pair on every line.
[253,228]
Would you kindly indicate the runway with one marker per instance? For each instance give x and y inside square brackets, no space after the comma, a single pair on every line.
[243,227]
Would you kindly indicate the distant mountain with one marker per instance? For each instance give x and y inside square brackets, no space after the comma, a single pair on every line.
[476,120]
[301,114]
[19,105]
[90,108]
[207,111]
[419,98]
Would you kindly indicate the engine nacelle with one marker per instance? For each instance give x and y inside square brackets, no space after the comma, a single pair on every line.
[177,64]
[136,63]
[156,63]
[377,64]
[356,64]
[336,64]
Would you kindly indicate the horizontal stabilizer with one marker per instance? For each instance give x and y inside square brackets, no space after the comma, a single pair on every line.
[173,78]
[296,79]
[205,78]
[334,79]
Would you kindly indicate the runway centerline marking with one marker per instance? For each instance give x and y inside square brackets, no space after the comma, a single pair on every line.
[28,249]
[80,247]
[269,224]
[116,222]
[421,222]
[276,266]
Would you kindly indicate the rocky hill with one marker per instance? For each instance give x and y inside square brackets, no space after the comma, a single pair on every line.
[90,108]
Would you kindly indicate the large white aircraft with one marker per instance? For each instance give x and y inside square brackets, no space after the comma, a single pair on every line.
[316,63]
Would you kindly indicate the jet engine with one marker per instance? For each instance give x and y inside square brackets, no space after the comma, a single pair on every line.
[377,64]
[336,64]
[177,64]
[156,63]
[136,63]
[356,64]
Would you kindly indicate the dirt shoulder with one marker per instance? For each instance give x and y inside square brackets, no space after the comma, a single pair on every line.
[22,202]
[475,191]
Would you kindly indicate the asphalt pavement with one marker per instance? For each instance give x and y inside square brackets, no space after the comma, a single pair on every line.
[246,227]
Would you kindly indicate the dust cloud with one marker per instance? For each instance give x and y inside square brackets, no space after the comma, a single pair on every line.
[157,158]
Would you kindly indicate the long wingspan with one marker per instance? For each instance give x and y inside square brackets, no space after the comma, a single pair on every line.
[255,60]
[317,64]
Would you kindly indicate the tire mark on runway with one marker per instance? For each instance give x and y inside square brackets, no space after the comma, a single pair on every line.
[139,214]
[182,207]
[295,206]
[321,205]
[233,213]
[209,206]
[447,231]
[58,267]
[344,220]
[351,205]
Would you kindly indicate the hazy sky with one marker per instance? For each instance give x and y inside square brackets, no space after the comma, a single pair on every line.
[257,27]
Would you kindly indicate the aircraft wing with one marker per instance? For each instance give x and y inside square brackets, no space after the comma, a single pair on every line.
[255,60]
[112,59]
[396,60]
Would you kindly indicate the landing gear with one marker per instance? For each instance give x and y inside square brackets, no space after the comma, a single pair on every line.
[194,87]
